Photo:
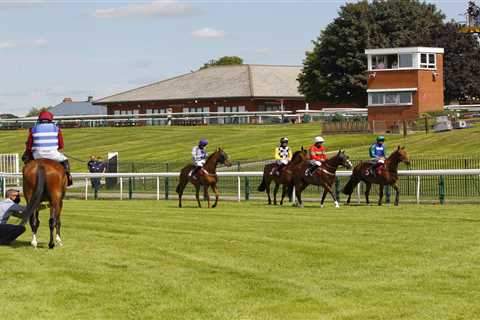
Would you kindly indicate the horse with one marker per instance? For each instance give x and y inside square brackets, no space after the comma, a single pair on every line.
[206,177]
[285,178]
[388,176]
[323,176]
[44,180]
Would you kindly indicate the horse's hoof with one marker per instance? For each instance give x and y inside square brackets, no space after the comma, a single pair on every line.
[51,245]
[34,244]
[321,206]
[59,241]
[337,205]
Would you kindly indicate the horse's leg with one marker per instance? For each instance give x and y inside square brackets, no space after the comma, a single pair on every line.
[34,224]
[52,222]
[284,191]
[205,193]
[323,197]
[329,190]
[58,239]
[348,199]
[298,193]
[267,189]
[180,188]
[197,194]
[217,195]
[275,191]
[397,193]
[380,195]
[368,186]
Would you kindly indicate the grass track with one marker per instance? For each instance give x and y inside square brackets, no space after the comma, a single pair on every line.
[242,142]
[151,260]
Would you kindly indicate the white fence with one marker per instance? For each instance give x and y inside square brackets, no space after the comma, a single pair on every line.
[122,176]
[9,163]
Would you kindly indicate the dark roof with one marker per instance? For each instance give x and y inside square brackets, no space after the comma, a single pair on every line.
[7,116]
[78,108]
[233,81]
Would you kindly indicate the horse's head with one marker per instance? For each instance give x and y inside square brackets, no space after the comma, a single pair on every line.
[402,155]
[223,157]
[343,160]
[299,156]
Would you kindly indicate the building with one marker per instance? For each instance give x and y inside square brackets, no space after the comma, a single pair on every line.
[68,107]
[402,84]
[233,88]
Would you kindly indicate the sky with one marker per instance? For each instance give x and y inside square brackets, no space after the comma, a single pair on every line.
[55,49]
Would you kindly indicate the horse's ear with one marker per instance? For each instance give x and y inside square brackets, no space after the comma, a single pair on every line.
[339,151]
[398,148]
[302,149]
[219,149]
[403,148]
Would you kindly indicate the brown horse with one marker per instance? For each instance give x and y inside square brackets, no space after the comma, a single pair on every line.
[388,176]
[44,180]
[206,177]
[285,178]
[323,176]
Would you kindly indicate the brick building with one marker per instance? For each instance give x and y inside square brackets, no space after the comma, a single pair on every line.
[235,88]
[403,83]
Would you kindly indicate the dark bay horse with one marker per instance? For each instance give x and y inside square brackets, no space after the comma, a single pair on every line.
[44,180]
[206,177]
[388,176]
[285,178]
[323,176]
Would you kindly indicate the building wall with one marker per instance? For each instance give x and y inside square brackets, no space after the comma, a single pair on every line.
[428,97]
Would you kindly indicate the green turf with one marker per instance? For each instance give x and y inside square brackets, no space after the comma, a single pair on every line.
[151,260]
[242,142]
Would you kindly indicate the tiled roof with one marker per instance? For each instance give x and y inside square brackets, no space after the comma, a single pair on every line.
[235,81]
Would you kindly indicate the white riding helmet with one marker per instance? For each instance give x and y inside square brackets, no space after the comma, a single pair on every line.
[319,139]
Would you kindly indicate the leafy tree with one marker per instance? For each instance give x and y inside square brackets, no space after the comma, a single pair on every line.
[335,70]
[36,111]
[226,60]
[462,63]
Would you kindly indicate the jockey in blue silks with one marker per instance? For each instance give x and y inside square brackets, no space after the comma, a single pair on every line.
[378,153]
[199,157]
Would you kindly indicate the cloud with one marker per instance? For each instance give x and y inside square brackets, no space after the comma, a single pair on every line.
[23,44]
[158,8]
[208,33]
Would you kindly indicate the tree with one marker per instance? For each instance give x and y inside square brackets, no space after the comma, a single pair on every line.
[226,60]
[462,63]
[335,70]
[36,111]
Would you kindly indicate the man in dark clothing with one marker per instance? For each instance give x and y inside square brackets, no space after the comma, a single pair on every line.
[10,207]
[96,165]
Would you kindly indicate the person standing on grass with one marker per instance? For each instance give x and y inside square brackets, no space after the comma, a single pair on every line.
[95,165]
[10,207]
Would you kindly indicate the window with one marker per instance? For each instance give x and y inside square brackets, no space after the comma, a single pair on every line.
[389,98]
[116,112]
[405,60]
[389,61]
[427,60]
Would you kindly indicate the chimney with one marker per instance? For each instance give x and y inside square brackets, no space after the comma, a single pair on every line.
[90,99]
[67,100]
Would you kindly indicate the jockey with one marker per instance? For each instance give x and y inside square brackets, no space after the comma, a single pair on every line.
[199,157]
[317,155]
[378,153]
[283,155]
[45,141]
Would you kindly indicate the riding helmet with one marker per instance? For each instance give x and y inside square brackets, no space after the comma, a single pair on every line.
[380,138]
[45,116]
[319,139]
[203,142]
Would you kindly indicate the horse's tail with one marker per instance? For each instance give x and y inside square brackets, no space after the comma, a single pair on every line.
[351,184]
[263,186]
[37,195]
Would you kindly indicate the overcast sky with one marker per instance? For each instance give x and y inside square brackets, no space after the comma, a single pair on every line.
[55,49]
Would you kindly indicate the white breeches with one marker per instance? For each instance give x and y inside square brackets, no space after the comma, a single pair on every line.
[199,163]
[318,163]
[49,154]
[283,161]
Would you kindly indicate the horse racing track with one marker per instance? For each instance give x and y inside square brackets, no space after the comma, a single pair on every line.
[152,260]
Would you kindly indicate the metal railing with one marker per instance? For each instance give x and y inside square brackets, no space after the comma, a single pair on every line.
[417,175]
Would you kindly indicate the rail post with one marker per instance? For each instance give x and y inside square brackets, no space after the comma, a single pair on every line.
[441,191]
[121,188]
[359,192]
[337,188]
[418,190]
[239,189]
[86,188]
[167,182]
[247,188]
[130,188]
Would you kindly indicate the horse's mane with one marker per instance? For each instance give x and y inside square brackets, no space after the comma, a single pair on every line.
[212,154]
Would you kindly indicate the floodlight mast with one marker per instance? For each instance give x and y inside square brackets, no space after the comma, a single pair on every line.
[472,23]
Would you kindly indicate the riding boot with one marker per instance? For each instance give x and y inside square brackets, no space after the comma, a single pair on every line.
[311,170]
[66,166]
